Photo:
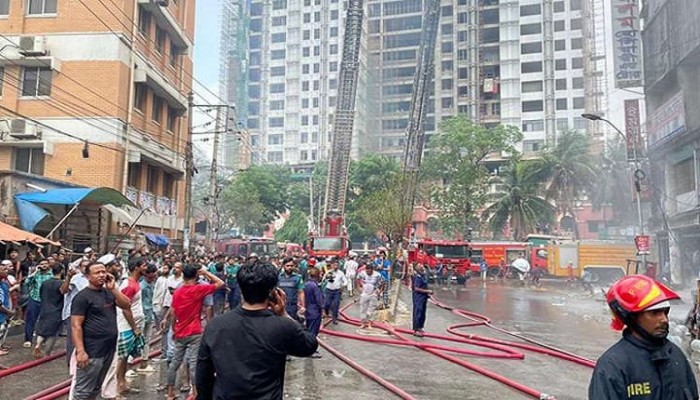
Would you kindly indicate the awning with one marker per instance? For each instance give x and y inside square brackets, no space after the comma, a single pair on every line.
[157,240]
[30,215]
[72,196]
[9,233]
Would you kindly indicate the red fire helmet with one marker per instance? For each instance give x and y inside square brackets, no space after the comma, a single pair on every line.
[634,294]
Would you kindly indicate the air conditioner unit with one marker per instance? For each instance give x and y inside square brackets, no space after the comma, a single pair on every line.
[20,129]
[32,45]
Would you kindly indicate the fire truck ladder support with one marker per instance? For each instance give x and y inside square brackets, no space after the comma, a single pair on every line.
[415,132]
[341,141]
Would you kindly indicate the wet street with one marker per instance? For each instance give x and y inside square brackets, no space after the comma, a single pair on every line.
[561,317]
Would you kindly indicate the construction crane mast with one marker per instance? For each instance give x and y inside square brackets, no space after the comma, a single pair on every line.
[333,239]
[422,81]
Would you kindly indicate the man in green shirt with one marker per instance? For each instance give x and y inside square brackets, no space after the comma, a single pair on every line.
[234,294]
[33,287]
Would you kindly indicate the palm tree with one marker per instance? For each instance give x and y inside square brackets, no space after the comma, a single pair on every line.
[567,170]
[516,202]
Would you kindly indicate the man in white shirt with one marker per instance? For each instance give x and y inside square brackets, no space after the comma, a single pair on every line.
[75,282]
[371,284]
[335,282]
[350,273]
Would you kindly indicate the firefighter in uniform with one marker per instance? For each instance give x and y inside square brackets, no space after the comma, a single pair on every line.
[420,299]
[293,286]
[644,364]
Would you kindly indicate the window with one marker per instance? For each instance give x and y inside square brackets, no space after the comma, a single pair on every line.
[535,125]
[560,45]
[157,111]
[278,54]
[277,71]
[446,84]
[254,58]
[306,52]
[334,31]
[533,105]
[576,24]
[317,68]
[276,105]
[530,87]
[254,91]
[256,9]
[683,174]
[275,122]
[254,108]
[140,97]
[333,66]
[134,174]
[576,43]
[314,137]
[307,18]
[304,120]
[279,21]
[532,145]
[531,48]
[36,81]
[579,103]
[559,26]
[304,103]
[317,33]
[168,185]
[255,25]
[317,85]
[314,120]
[317,50]
[334,15]
[306,35]
[447,65]
[533,9]
[447,11]
[37,7]
[577,63]
[446,47]
[334,49]
[253,123]
[560,65]
[303,155]
[305,86]
[174,54]
[317,16]
[144,21]
[562,124]
[173,114]
[490,35]
[559,6]
[446,29]
[575,5]
[277,88]
[275,156]
[313,155]
[278,37]
[560,84]
[254,74]
[562,104]
[531,29]
[489,16]
[533,66]
[29,160]
[577,83]
[314,103]
[446,102]
[279,4]
[305,69]
[580,123]
[305,137]
[275,140]
[160,39]
[254,42]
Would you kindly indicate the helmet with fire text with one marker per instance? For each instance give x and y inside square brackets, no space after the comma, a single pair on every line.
[635,294]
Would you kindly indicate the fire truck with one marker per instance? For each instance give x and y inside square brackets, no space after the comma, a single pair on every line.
[495,253]
[451,254]
[245,246]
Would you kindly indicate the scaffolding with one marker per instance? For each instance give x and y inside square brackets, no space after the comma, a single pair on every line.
[550,116]
[594,63]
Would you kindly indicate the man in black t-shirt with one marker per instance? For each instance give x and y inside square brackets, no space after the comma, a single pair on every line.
[252,365]
[94,331]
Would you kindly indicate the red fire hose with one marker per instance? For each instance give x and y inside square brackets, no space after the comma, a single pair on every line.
[30,364]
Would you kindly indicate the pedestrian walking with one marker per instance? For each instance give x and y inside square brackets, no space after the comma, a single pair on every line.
[351,274]
[6,310]
[219,297]
[293,286]
[94,330]
[186,311]
[570,277]
[234,292]
[420,299]
[335,282]
[644,364]
[483,268]
[384,267]
[147,284]
[370,284]
[252,366]
[130,322]
[313,297]
[33,287]
[49,323]
[74,282]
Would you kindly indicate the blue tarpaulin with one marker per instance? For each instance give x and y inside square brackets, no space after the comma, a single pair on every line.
[30,214]
[158,240]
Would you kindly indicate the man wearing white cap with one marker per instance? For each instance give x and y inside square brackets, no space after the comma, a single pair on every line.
[88,255]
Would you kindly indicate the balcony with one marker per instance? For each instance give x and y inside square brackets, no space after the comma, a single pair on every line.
[166,20]
[161,205]
[147,74]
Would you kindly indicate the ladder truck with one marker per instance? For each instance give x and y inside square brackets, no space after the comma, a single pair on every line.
[333,239]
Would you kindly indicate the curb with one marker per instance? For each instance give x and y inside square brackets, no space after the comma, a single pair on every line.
[389,314]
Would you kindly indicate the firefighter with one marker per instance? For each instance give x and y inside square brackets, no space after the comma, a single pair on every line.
[644,364]
[420,299]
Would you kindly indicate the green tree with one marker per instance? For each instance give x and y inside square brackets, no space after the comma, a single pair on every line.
[383,211]
[457,157]
[567,170]
[516,203]
[244,210]
[295,228]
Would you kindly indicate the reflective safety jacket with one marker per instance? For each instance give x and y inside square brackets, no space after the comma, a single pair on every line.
[634,369]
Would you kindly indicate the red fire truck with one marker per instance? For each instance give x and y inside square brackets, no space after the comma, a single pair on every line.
[453,254]
[245,246]
[495,253]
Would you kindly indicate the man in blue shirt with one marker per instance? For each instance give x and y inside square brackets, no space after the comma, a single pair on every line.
[5,306]
[147,284]
[383,266]
[420,299]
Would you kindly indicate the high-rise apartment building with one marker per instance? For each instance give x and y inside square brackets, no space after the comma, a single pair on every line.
[516,62]
[94,94]
[293,59]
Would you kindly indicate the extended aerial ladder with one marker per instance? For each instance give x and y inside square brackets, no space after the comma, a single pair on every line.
[333,239]
[422,81]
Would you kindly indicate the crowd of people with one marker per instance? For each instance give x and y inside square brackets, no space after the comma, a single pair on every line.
[113,308]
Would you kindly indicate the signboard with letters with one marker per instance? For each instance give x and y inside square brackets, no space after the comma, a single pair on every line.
[627,43]
[633,129]
[667,121]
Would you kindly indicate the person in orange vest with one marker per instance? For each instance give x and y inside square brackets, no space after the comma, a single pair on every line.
[570,277]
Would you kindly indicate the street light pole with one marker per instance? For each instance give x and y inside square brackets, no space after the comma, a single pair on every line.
[637,175]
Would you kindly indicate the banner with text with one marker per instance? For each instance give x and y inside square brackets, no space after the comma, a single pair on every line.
[667,121]
[633,129]
[627,43]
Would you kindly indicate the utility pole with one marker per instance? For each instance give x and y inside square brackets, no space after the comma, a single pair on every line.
[212,179]
[189,170]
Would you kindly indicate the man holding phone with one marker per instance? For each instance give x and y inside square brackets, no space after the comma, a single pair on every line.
[251,366]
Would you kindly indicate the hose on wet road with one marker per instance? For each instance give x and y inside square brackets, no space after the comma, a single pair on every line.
[30,364]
